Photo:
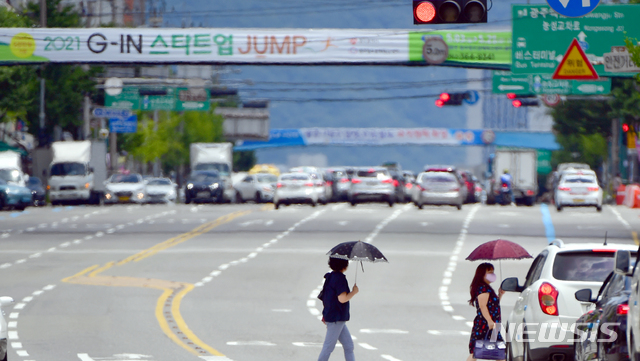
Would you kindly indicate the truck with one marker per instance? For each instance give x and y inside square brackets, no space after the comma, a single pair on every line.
[77,172]
[217,157]
[11,168]
[522,164]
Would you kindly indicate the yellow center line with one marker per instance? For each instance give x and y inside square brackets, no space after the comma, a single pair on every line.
[91,276]
[635,238]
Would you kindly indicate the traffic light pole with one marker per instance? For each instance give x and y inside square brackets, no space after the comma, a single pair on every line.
[43,24]
[615,139]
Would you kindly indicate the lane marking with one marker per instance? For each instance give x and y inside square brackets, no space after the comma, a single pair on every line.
[390,358]
[250,343]
[389,331]
[366,346]
[550,232]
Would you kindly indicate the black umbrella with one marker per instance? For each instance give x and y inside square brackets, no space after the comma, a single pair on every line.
[357,251]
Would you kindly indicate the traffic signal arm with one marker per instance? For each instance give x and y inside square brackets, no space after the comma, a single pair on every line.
[449,11]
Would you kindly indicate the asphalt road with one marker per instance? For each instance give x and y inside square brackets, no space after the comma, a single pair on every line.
[238,282]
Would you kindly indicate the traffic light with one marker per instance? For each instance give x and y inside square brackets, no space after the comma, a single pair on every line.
[523,100]
[625,127]
[449,11]
[451,99]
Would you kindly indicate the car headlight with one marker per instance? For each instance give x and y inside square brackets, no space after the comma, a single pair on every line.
[108,196]
[190,185]
[140,195]
[214,186]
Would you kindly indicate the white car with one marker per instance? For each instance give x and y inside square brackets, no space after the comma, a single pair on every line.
[633,315]
[160,190]
[4,301]
[579,189]
[321,187]
[256,187]
[125,188]
[547,302]
[295,188]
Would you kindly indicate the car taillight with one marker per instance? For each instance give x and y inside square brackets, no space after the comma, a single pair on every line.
[308,184]
[565,189]
[548,297]
[329,183]
[387,181]
[593,189]
[529,192]
[395,183]
[622,310]
[409,185]
[280,185]
[478,189]
[356,181]
[455,189]
[504,185]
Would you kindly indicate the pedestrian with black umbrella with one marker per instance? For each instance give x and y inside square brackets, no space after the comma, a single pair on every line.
[335,295]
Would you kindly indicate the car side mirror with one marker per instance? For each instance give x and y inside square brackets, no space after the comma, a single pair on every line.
[584,295]
[511,285]
[5,301]
[90,169]
[622,262]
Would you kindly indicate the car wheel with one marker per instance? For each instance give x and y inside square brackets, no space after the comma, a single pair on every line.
[239,198]
[559,208]
[277,205]
[420,205]
[258,197]
[187,199]
[314,203]
[5,356]
[599,208]
[459,206]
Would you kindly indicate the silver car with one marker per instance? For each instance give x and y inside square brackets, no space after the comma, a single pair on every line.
[295,188]
[372,185]
[437,188]
[161,190]
[256,187]
[320,185]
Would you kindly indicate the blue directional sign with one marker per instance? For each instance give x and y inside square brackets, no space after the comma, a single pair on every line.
[473,97]
[573,8]
[124,125]
[111,113]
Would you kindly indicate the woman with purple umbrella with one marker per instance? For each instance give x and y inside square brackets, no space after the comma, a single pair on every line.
[487,304]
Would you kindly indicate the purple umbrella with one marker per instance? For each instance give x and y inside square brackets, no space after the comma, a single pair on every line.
[498,250]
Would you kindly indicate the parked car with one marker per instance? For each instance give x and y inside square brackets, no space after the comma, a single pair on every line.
[256,187]
[579,188]
[296,187]
[372,185]
[437,188]
[607,321]
[38,193]
[125,188]
[204,186]
[13,196]
[4,302]
[547,297]
[161,190]
[340,183]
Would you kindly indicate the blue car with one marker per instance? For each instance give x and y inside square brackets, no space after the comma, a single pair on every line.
[14,196]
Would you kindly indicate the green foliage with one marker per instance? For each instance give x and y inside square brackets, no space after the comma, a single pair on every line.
[58,16]
[584,148]
[175,132]
[243,161]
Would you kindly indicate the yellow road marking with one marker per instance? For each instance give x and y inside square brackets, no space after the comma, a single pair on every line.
[635,238]
[91,276]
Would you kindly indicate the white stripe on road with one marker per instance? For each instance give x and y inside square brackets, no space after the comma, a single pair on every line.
[366,346]
[390,331]
[390,358]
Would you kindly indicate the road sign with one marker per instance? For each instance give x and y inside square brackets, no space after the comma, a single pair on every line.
[159,102]
[551,100]
[575,65]
[573,8]
[124,125]
[541,36]
[435,50]
[111,113]
[129,98]
[619,59]
[505,82]
[192,99]
[472,97]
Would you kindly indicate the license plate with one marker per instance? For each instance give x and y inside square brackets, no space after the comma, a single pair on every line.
[578,200]
[124,199]
[67,195]
[372,183]
[203,194]
[295,187]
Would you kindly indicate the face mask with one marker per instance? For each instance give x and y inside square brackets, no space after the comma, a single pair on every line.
[491,277]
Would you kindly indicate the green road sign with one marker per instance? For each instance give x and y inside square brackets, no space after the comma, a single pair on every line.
[128,99]
[192,99]
[541,36]
[544,161]
[506,82]
[159,102]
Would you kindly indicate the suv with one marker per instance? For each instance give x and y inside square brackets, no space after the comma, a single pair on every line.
[4,301]
[372,184]
[543,317]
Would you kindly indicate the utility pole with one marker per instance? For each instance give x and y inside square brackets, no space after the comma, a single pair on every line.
[156,163]
[86,113]
[615,152]
[43,24]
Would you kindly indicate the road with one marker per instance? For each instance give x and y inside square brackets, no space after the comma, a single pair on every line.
[238,282]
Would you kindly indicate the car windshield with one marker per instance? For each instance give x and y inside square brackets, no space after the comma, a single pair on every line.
[34,181]
[159,182]
[583,266]
[10,175]
[439,177]
[204,178]
[580,179]
[267,179]
[294,177]
[124,178]
[221,168]
[373,173]
[63,169]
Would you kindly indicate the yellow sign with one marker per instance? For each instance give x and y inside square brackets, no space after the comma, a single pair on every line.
[575,65]
[22,45]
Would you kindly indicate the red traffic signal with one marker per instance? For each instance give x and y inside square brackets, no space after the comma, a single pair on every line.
[445,97]
[625,127]
[517,103]
[440,103]
[452,98]
[511,95]
[449,11]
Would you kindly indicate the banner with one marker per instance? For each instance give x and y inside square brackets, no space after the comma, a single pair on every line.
[248,46]
[370,137]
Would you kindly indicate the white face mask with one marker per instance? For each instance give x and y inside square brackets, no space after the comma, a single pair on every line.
[491,277]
